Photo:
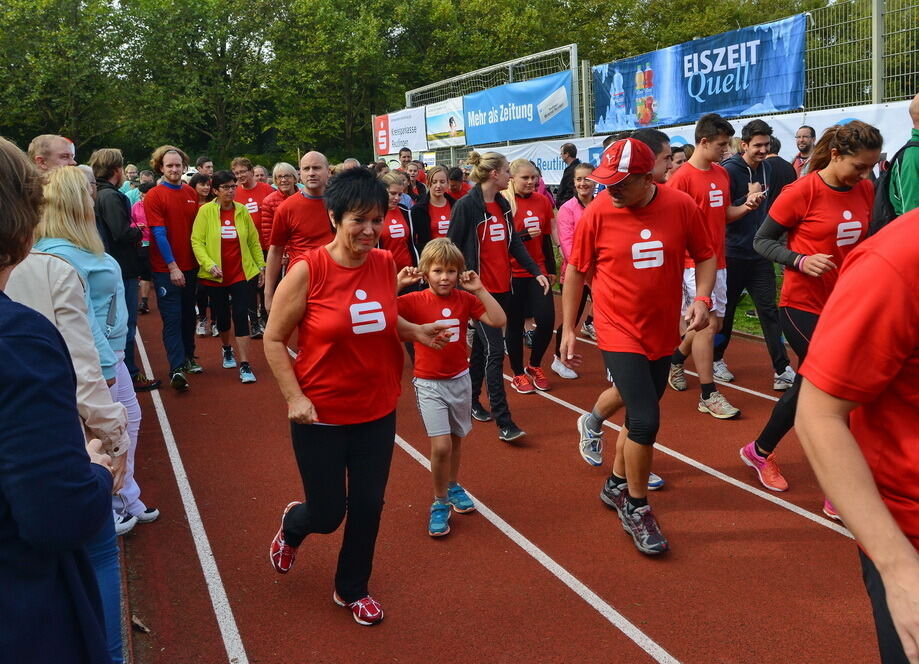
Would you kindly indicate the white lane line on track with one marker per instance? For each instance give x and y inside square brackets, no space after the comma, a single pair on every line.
[720,382]
[765,495]
[618,621]
[232,642]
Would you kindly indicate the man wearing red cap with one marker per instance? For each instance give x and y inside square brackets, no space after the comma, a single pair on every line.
[631,241]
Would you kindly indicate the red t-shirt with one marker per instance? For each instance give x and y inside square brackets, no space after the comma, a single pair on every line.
[455,310]
[349,362]
[301,223]
[174,207]
[534,211]
[396,236]
[269,206]
[465,188]
[711,190]
[637,255]
[252,199]
[494,259]
[866,349]
[820,220]
[440,220]
[231,255]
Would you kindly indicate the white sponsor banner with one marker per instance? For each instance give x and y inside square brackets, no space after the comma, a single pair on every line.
[445,123]
[402,129]
[891,119]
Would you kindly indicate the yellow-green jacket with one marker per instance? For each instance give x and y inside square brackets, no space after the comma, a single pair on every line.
[205,241]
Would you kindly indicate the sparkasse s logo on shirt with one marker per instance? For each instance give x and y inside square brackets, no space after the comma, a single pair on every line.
[647,254]
[715,196]
[452,324]
[496,230]
[366,317]
[848,232]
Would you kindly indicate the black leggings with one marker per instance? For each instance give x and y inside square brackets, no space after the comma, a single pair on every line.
[328,457]
[486,361]
[221,306]
[558,333]
[528,298]
[889,642]
[641,382]
[202,301]
[798,327]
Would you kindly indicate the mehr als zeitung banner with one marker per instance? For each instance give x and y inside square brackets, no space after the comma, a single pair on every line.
[402,129]
[751,71]
[529,109]
[446,127]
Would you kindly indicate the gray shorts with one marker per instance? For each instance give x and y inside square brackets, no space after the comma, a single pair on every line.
[445,405]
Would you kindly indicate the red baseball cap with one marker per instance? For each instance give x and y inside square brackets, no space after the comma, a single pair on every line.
[621,159]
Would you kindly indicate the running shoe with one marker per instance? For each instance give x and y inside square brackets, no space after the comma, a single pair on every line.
[459,499]
[229,360]
[587,330]
[281,554]
[201,327]
[511,433]
[717,406]
[784,380]
[255,330]
[143,307]
[830,511]
[721,371]
[439,523]
[591,444]
[645,530]
[124,523]
[178,381]
[677,378]
[245,373]
[192,366]
[149,515]
[479,413]
[523,384]
[564,372]
[537,377]
[366,611]
[655,482]
[214,331]
[767,470]
[528,337]
[144,384]
[616,496]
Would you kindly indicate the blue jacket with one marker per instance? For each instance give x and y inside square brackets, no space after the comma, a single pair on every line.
[101,277]
[52,501]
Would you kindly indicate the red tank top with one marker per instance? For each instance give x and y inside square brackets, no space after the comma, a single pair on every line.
[350,360]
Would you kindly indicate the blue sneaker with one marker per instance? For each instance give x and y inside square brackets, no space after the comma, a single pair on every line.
[457,496]
[229,361]
[439,524]
[245,373]
[655,482]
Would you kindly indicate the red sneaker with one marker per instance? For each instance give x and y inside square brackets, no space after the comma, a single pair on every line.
[523,384]
[281,554]
[366,611]
[538,378]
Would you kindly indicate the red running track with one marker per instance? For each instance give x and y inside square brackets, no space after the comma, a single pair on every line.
[556,580]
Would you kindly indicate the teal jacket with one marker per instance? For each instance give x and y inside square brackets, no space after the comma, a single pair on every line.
[205,241]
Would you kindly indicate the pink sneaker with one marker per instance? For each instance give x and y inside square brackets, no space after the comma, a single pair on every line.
[282,554]
[830,511]
[366,611]
[767,470]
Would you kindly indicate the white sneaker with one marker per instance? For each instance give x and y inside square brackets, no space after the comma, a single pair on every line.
[721,371]
[587,330]
[214,331]
[559,367]
[784,380]
[717,406]
[201,328]
[124,523]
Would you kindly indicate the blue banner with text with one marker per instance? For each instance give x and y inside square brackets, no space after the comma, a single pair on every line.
[751,71]
[530,109]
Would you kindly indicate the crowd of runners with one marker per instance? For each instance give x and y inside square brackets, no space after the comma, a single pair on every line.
[451,268]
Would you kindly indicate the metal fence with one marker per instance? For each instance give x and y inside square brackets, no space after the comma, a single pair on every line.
[857,52]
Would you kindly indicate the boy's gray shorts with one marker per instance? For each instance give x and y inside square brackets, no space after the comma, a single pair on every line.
[445,405]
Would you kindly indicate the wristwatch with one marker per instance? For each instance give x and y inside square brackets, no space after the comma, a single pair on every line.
[707,301]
